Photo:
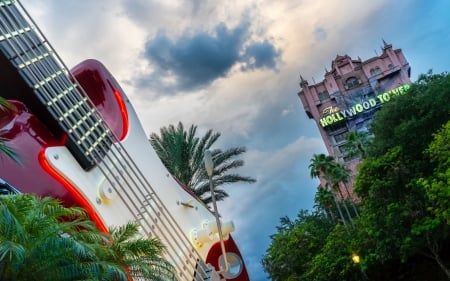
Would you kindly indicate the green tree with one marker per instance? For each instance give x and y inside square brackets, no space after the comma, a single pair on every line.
[323,166]
[42,240]
[324,201]
[397,216]
[437,186]
[295,244]
[356,144]
[436,226]
[339,176]
[142,256]
[181,151]
[319,167]
[334,260]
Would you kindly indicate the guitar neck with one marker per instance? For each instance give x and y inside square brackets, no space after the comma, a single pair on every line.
[29,54]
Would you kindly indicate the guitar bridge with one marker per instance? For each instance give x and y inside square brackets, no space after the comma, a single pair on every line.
[206,273]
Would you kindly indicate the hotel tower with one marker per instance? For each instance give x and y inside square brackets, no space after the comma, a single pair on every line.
[349,95]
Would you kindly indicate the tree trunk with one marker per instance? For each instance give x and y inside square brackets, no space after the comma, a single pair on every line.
[438,260]
[339,208]
[345,205]
[433,247]
[351,200]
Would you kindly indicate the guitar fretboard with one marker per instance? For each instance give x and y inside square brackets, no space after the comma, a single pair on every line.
[29,52]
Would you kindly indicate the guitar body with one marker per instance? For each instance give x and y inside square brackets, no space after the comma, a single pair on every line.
[129,184]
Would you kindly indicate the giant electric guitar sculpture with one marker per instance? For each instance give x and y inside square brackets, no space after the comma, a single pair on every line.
[80,140]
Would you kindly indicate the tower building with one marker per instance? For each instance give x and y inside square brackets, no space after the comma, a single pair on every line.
[349,95]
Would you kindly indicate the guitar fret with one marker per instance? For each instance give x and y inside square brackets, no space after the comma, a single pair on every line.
[64,93]
[6,3]
[90,132]
[15,33]
[72,109]
[47,79]
[82,121]
[99,141]
[34,60]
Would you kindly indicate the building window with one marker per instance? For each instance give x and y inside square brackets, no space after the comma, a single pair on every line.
[375,71]
[351,82]
[341,149]
[340,137]
[391,66]
[335,127]
[324,95]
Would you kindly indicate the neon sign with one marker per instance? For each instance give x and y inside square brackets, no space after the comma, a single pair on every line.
[333,114]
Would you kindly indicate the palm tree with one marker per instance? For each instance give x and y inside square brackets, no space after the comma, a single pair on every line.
[334,176]
[141,256]
[42,240]
[182,153]
[320,166]
[324,201]
[341,174]
[356,144]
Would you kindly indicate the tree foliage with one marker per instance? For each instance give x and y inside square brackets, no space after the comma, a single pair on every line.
[181,152]
[356,144]
[295,244]
[42,240]
[336,177]
[333,261]
[437,186]
[396,207]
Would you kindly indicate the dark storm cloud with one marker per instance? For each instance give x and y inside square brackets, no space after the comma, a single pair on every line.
[260,55]
[198,59]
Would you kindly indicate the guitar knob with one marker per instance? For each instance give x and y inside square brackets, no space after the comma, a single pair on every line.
[106,192]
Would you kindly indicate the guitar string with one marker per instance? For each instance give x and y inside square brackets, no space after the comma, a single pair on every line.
[133,200]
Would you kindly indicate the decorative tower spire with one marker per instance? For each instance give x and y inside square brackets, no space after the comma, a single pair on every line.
[386,45]
[303,82]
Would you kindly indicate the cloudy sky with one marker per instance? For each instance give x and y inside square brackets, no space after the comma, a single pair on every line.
[234,66]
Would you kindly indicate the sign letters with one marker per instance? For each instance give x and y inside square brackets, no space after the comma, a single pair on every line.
[333,114]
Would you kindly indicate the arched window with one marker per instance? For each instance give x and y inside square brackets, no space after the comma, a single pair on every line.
[375,71]
[324,95]
[351,82]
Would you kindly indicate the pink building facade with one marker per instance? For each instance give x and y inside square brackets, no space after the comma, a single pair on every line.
[350,93]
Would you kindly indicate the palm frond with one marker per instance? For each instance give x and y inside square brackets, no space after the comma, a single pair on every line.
[182,152]
[9,152]
[11,251]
